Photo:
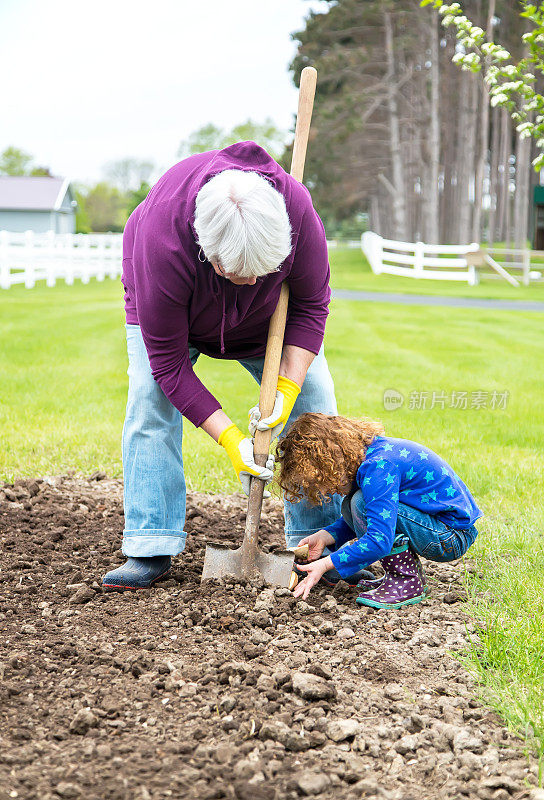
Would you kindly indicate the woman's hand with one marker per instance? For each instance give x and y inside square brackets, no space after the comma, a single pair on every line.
[240,451]
[317,542]
[286,396]
[314,572]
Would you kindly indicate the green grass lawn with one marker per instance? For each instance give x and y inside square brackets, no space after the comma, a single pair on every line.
[350,270]
[63,388]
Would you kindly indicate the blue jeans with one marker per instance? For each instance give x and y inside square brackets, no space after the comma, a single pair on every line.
[155,493]
[426,534]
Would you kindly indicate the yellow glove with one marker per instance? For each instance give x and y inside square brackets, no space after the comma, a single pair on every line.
[286,394]
[240,452]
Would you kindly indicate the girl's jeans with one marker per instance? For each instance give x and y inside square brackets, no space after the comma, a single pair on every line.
[153,464]
[426,534]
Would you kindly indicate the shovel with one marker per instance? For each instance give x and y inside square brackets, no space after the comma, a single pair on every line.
[243,562]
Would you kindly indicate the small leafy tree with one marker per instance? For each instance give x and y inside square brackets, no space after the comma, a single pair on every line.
[127,174]
[207,137]
[105,208]
[210,137]
[137,196]
[511,85]
[83,224]
[14,161]
[41,172]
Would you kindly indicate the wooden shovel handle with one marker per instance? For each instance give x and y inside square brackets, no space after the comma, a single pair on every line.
[308,81]
[274,343]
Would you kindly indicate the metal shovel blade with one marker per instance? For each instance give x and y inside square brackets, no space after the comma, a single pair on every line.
[221,560]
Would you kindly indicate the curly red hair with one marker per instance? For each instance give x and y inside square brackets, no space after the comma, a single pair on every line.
[320,455]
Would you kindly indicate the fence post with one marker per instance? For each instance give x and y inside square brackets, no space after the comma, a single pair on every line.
[5,281]
[90,253]
[101,255]
[115,257]
[379,255]
[50,259]
[526,266]
[30,265]
[69,257]
[372,247]
[419,254]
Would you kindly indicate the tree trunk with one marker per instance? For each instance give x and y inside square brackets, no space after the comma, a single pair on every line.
[463,161]
[450,113]
[398,197]
[375,223]
[430,187]
[521,197]
[504,178]
[483,141]
[493,178]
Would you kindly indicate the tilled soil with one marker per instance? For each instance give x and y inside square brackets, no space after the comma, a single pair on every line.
[223,691]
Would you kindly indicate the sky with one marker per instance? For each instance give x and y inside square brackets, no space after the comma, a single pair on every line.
[84,83]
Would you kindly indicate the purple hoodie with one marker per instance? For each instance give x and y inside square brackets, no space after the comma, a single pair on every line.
[176,299]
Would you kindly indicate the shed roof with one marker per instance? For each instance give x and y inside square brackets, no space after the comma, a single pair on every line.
[25,193]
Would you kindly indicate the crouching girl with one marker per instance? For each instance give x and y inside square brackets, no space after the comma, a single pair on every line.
[401,500]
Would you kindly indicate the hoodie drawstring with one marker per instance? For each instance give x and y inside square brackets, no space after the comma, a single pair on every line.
[222,334]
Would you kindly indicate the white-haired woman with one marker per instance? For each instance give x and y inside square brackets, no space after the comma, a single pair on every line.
[204,257]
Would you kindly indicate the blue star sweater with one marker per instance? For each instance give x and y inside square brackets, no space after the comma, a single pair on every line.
[398,470]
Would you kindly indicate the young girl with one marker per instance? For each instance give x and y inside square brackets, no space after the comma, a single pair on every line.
[401,500]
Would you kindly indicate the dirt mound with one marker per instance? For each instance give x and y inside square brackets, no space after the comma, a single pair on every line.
[223,691]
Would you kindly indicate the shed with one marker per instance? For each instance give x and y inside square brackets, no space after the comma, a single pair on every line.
[38,204]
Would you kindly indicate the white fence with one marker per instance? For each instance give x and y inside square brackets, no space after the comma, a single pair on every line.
[515,260]
[30,257]
[419,260]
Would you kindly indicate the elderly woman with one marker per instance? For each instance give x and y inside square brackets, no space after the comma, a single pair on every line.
[204,257]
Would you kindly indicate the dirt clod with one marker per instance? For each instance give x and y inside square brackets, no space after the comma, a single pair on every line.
[312,783]
[83,721]
[341,729]
[312,687]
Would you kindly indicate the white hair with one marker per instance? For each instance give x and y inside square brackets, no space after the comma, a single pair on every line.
[242,223]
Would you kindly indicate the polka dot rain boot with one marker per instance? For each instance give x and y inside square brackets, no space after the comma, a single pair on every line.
[403,584]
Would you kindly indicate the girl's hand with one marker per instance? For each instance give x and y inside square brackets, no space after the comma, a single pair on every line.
[314,572]
[317,542]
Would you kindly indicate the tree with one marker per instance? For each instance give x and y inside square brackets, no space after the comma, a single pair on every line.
[105,208]
[400,133]
[210,137]
[137,196]
[41,172]
[265,134]
[83,224]
[370,149]
[512,85]
[128,174]
[14,161]
[397,187]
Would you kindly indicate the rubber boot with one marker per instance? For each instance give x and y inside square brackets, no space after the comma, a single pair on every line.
[402,585]
[137,573]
